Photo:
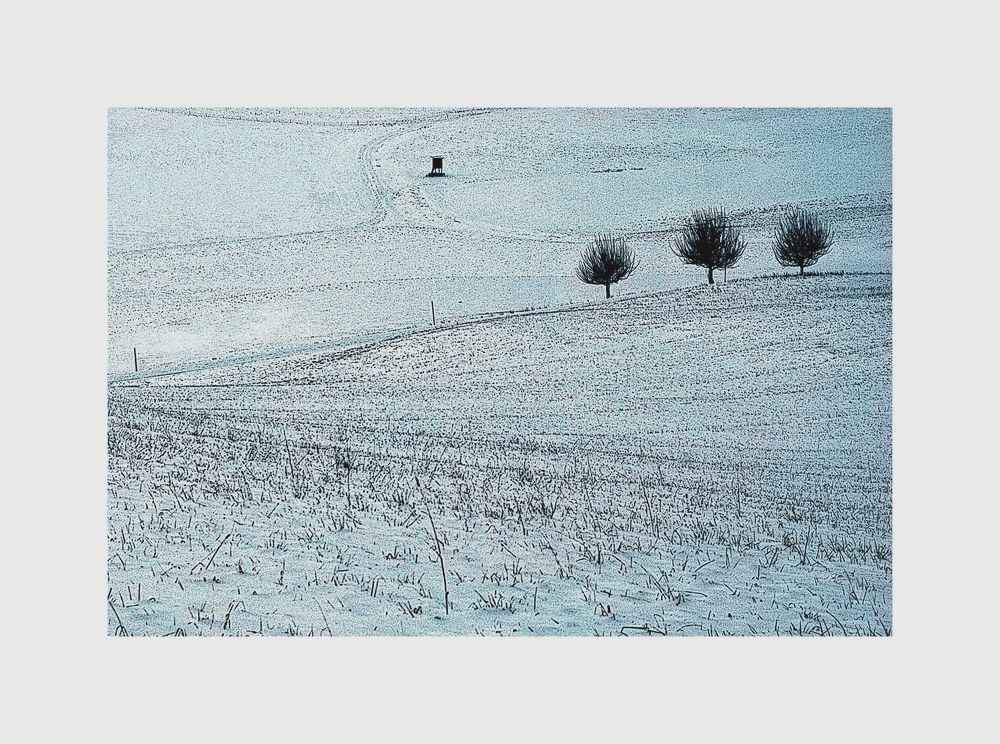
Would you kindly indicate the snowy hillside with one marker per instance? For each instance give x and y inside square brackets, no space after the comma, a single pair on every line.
[238,234]
[706,460]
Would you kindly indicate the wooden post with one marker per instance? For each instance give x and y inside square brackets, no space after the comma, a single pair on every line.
[135,358]
[433,321]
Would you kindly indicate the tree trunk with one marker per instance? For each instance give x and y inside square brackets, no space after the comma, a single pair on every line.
[710,280]
[607,291]
[802,269]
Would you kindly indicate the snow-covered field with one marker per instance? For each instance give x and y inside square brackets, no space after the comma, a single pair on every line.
[243,233]
[683,459]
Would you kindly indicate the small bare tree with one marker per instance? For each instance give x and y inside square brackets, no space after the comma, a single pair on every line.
[606,261]
[709,239]
[801,239]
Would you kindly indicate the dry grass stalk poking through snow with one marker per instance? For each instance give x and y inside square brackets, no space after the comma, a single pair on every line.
[727,487]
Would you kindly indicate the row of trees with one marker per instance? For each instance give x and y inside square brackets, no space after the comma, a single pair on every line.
[709,239]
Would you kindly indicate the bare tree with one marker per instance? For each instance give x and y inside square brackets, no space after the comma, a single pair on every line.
[709,239]
[801,239]
[606,261]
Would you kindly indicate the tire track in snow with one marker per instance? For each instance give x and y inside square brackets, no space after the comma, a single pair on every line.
[382,209]
[480,230]
[366,157]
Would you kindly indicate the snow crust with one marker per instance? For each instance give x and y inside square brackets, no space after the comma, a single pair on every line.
[233,233]
[645,467]
[683,459]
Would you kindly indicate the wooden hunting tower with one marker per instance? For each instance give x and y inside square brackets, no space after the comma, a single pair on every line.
[437,165]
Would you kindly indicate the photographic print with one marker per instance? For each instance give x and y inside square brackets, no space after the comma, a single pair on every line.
[517,372]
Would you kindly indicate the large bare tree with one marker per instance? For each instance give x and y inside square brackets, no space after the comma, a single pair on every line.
[709,239]
[606,261]
[801,239]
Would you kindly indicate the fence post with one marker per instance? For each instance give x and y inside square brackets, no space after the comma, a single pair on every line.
[135,358]
[433,321]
